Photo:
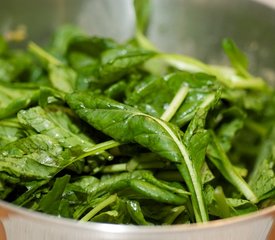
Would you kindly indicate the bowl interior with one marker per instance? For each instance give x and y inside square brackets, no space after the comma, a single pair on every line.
[193,28]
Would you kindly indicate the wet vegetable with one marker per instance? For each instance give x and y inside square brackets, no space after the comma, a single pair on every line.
[95,130]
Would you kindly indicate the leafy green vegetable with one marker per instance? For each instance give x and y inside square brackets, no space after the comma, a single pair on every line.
[51,201]
[36,157]
[101,131]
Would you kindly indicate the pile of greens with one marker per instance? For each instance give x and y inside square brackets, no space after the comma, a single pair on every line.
[96,130]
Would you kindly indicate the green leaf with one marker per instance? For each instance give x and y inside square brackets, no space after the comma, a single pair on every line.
[219,158]
[161,137]
[262,179]
[13,99]
[116,63]
[154,95]
[58,125]
[50,203]
[92,46]
[33,158]
[236,57]
[62,38]
[10,131]
[135,211]
[15,67]
[62,78]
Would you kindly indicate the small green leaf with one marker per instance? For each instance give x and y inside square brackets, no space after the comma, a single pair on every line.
[50,203]
[236,57]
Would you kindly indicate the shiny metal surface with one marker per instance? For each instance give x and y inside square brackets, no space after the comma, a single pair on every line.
[193,28]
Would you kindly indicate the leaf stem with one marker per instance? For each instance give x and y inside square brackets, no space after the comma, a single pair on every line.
[99,207]
[43,54]
[188,171]
[98,148]
[175,103]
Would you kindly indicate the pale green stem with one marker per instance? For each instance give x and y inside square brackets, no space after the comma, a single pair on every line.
[175,104]
[99,148]
[43,54]
[120,167]
[99,207]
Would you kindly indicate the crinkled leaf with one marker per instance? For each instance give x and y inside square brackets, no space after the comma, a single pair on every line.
[161,137]
[35,157]
[10,133]
[14,99]
[47,123]
[262,180]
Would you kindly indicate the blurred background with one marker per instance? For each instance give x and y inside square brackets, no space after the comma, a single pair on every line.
[190,27]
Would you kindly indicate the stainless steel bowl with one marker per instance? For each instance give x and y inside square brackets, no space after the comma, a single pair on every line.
[194,28]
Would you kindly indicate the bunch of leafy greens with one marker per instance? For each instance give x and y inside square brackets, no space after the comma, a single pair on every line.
[101,131]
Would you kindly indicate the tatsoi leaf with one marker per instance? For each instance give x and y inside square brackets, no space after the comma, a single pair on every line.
[236,57]
[49,95]
[62,78]
[58,126]
[14,66]
[35,157]
[84,184]
[151,95]
[196,137]
[62,38]
[108,116]
[117,214]
[44,122]
[262,180]
[135,211]
[92,46]
[154,94]
[223,207]
[51,201]
[14,99]
[241,206]
[200,85]
[263,184]
[10,134]
[218,157]
[115,63]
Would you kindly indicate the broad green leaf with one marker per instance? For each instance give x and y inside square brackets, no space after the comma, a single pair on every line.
[33,158]
[13,99]
[161,137]
[116,63]
[62,78]
[59,126]
[10,130]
